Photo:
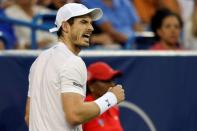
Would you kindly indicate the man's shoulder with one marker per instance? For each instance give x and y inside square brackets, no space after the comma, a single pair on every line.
[76,62]
[65,57]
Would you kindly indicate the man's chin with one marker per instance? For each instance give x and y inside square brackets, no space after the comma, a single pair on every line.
[84,45]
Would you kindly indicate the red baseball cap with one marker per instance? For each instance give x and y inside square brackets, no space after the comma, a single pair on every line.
[101,71]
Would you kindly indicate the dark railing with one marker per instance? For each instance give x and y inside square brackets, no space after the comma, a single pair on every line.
[34,25]
[47,23]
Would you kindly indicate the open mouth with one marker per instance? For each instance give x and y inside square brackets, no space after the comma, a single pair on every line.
[87,36]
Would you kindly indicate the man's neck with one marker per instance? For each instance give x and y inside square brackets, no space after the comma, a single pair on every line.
[72,47]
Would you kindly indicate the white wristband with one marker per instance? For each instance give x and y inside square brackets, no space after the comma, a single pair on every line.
[106,101]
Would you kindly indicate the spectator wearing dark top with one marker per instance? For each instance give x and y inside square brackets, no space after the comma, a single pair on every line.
[167,27]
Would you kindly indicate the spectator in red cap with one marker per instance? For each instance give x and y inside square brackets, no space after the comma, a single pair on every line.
[100,79]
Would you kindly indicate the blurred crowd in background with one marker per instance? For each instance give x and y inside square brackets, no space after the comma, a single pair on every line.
[133,24]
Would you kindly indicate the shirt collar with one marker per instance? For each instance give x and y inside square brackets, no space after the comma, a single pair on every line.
[65,47]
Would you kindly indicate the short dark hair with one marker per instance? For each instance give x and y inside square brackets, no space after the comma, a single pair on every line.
[70,22]
[59,32]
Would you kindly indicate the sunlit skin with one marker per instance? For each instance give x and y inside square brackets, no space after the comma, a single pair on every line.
[169,32]
[82,26]
[78,34]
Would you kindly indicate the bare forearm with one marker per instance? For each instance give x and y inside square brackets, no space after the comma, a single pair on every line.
[27,111]
[27,120]
[117,36]
[76,110]
[87,111]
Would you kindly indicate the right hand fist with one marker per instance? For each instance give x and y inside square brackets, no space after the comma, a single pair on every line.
[119,92]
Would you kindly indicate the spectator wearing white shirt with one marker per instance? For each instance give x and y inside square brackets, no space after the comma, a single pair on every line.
[25,10]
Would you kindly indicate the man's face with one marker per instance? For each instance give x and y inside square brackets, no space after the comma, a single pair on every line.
[80,31]
[170,30]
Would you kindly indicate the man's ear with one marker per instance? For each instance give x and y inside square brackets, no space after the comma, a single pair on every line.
[65,27]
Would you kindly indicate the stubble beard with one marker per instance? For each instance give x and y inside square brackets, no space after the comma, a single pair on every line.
[76,40]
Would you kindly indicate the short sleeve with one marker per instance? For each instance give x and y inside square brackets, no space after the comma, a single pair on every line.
[73,77]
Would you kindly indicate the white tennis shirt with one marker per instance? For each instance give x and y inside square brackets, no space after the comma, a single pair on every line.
[55,71]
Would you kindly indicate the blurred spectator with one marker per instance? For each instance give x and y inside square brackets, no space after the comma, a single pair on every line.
[103,40]
[52,4]
[55,4]
[167,28]
[6,3]
[119,21]
[190,32]
[44,3]
[172,5]
[100,79]
[8,37]
[26,10]
[147,8]
[186,8]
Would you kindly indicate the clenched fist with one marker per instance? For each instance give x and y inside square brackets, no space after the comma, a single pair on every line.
[119,92]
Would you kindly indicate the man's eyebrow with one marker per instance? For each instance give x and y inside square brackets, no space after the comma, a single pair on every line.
[85,20]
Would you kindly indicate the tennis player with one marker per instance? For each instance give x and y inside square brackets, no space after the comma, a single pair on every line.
[57,78]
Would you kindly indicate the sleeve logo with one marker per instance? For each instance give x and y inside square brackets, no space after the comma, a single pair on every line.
[77,84]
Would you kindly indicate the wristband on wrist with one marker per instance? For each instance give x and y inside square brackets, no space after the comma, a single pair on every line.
[106,101]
